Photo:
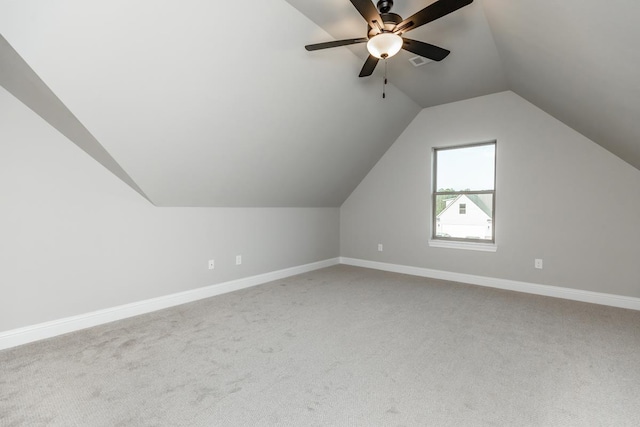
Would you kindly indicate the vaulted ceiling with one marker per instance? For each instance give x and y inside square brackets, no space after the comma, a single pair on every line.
[200,103]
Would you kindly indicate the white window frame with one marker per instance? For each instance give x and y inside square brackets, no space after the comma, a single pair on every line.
[463,243]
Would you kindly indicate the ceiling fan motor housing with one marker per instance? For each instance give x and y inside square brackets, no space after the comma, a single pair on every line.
[389,20]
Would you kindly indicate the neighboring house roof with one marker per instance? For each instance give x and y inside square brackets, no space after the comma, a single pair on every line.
[477,199]
[473,198]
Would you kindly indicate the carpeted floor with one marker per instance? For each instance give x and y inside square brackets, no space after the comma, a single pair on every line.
[342,346]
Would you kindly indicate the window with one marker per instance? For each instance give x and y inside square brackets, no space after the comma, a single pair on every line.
[464,193]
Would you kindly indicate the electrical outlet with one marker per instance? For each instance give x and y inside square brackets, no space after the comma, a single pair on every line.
[212,264]
[379,247]
[538,263]
[238,259]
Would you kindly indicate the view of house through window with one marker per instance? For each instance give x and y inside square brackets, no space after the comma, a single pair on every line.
[464,193]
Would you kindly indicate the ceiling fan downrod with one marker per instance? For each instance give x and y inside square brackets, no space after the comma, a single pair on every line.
[384,6]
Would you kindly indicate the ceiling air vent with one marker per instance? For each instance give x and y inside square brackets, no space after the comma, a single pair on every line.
[419,60]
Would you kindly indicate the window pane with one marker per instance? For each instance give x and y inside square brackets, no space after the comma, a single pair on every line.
[476,221]
[467,168]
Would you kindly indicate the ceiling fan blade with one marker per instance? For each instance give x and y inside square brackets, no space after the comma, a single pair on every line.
[369,66]
[336,43]
[369,13]
[430,13]
[425,49]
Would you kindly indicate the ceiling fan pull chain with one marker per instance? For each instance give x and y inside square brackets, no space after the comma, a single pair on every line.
[384,84]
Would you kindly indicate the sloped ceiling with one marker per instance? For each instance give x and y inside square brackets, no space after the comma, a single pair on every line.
[217,104]
[579,61]
[17,77]
[576,59]
[211,104]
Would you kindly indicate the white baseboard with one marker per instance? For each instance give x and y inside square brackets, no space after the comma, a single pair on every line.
[53,328]
[512,285]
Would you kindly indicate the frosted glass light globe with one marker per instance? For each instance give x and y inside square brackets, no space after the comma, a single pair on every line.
[384,45]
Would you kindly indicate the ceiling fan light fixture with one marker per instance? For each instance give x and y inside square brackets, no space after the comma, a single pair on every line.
[384,45]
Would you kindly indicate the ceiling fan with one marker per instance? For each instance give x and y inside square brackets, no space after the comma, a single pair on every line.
[385,29]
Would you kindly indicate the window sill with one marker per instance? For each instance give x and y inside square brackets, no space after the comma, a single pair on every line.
[470,246]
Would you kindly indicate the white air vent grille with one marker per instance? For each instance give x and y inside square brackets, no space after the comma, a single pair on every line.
[419,60]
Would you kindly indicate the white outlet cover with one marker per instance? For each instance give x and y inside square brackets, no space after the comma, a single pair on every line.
[212,264]
[238,259]
[379,247]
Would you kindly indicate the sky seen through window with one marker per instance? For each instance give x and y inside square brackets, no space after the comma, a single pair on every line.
[466,168]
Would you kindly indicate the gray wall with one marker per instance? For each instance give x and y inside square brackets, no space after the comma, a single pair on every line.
[559,197]
[74,238]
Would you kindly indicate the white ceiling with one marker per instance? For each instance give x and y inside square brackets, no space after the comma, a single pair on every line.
[202,109]
[217,104]
[579,61]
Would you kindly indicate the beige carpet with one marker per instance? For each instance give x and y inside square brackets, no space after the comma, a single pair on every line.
[342,346]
